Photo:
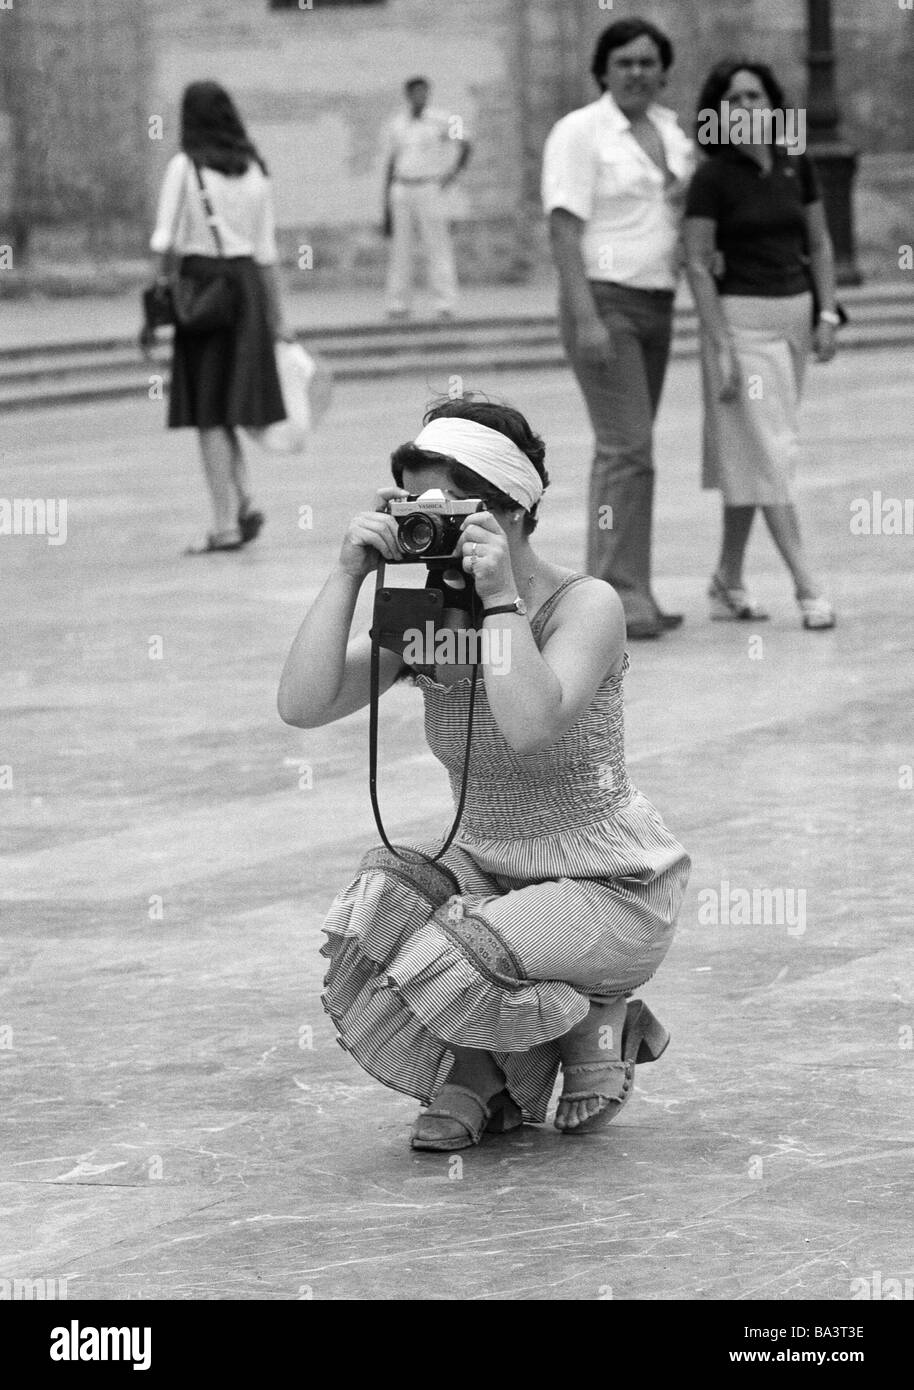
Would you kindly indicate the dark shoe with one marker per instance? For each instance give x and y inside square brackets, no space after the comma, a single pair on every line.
[250,524]
[670,621]
[639,629]
[216,542]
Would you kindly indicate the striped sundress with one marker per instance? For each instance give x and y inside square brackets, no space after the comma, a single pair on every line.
[569,889]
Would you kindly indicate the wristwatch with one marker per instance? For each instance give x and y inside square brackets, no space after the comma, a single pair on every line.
[518,606]
[829,316]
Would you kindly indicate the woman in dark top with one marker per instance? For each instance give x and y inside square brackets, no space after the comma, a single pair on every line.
[756,208]
[227,377]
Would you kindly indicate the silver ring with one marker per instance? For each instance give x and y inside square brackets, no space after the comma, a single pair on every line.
[473,549]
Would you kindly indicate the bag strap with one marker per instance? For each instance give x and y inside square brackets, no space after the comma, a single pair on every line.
[210,214]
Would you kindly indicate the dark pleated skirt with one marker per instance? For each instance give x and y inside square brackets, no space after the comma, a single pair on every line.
[228,377]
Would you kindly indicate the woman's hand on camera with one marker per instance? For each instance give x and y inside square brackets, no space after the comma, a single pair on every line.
[484,547]
[371,536]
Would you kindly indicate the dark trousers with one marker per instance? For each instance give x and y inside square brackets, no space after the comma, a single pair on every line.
[622,400]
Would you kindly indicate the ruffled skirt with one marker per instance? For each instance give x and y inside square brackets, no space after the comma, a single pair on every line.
[422,957]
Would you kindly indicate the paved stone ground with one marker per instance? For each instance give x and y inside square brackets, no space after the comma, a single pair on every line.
[168,1132]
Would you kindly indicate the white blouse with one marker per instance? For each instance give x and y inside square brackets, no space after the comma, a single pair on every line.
[419,145]
[594,168]
[242,208]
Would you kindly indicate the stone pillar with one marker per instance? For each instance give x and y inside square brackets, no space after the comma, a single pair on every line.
[550,82]
[74,92]
[835,160]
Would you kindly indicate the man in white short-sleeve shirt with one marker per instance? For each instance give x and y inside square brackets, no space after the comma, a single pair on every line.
[615,174]
[425,150]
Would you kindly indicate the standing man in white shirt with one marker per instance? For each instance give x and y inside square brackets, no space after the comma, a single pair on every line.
[615,174]
[420,164]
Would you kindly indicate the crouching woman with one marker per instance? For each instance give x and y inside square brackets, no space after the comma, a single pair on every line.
[468,982]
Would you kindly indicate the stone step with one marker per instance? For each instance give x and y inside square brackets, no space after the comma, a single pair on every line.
[359,352]
[31,391]
[116,356]
[865,304]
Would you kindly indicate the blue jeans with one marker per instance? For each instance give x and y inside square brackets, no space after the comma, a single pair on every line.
[622,400]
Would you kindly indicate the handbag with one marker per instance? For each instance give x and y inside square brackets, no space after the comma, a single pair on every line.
[190,304]
[307,385]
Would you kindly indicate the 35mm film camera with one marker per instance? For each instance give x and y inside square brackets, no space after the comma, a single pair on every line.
[428,526]
[428,532]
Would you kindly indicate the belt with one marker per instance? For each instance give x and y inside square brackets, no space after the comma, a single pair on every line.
[632,289]
[422,178]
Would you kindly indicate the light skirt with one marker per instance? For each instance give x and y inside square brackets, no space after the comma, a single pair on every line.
[750,444]
[506,965]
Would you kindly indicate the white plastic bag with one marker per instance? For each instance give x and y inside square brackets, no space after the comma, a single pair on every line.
[307,385]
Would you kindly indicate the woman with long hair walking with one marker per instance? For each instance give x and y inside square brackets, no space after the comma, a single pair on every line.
[215,217]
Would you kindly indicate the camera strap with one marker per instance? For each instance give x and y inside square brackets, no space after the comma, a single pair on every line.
[374,697]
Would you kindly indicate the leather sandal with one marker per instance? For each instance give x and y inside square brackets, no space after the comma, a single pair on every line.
[644,1039]
[216,540]
[610,1081]
[734,604]
[464,1106]
[817,614]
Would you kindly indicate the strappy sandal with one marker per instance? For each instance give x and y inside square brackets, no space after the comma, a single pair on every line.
[215,541]
[610,1081]
[644,1039]
[465,1106]
[817,614]
[250,524]
[729,605]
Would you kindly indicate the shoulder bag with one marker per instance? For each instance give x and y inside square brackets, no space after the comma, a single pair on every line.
[192,304]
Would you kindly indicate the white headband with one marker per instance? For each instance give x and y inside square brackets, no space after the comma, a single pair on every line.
[487,452]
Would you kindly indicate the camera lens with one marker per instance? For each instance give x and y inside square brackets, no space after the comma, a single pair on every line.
[418,534]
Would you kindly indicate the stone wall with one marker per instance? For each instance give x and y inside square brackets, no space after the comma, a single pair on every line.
[72,131]
[874,46]
[316,87]
[874,50]
[81,80]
